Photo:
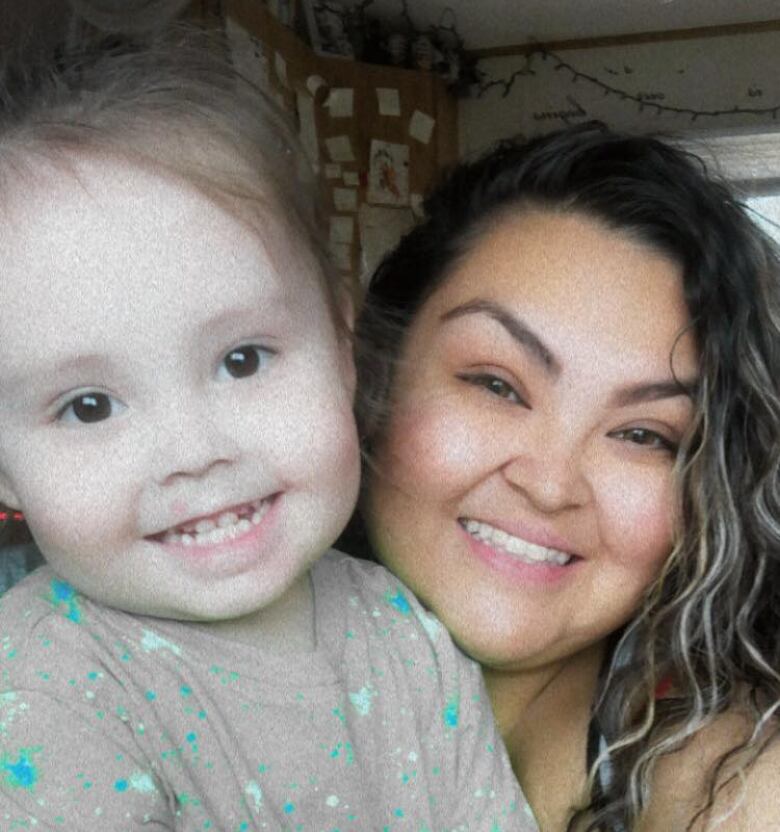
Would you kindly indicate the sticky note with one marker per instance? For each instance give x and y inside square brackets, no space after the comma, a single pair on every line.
[421,126]
[389,101]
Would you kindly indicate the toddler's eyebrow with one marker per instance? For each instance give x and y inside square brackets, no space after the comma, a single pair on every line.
[46,370]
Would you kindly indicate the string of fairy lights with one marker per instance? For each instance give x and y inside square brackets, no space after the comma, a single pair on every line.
[576,75]
[473,82]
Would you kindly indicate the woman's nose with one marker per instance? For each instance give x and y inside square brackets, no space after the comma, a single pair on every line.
[550,471]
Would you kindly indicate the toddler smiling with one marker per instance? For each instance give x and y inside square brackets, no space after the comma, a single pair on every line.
[176,425]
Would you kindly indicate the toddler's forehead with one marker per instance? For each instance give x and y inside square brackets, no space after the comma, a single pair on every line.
[114,233]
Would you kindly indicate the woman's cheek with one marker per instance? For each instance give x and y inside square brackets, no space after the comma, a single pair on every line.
[435,444]
[637,511]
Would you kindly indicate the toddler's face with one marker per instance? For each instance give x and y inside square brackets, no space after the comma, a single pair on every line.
[175,403]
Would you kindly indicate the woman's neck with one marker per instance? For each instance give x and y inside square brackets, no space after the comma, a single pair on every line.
[543,715]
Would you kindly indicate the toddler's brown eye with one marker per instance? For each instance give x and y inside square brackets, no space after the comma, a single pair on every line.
[88,408]
[246,360]
[242,362]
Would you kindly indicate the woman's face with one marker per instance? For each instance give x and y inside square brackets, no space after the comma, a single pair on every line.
[524,487]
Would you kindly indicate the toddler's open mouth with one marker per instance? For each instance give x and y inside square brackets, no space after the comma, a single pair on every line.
[227,524]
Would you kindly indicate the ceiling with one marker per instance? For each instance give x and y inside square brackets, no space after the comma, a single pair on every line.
[486,24]
[483,24]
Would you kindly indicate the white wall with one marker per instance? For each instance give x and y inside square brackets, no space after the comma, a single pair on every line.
[715,74]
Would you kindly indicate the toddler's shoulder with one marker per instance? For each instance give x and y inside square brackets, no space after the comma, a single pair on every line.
[45,623]
[365,614]
[368,592]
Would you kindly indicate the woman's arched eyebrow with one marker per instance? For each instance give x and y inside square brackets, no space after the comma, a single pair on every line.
[533,345]
[514,325]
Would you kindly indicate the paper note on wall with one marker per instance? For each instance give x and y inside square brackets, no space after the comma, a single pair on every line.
[340,149]
[351,178]
[421,126]
[345,199]
[389,101]
[340,102]
[342,229]
[342,256]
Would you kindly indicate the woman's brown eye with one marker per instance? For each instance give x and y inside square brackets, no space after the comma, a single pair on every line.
[493,384]
[647,438]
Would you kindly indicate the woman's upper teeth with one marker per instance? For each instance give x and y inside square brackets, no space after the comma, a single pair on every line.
[522,549]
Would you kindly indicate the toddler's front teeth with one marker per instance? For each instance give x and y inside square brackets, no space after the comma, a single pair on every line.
[227,526]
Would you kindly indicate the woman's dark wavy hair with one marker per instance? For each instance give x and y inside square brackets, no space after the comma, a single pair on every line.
[710,622]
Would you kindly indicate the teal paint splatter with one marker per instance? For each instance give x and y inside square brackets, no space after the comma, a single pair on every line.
[361,701]
[344,748]
[62,593]
[141,782]
[452,712]
[253,791]
[289,808]
[20,773]
[121,785]
[151,695]
[431,625]
[152,642]
[185,691]
[399,601]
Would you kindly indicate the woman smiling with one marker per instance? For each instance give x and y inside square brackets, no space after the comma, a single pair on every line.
[571,410]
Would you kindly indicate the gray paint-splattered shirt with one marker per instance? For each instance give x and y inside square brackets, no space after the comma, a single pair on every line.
[111,721]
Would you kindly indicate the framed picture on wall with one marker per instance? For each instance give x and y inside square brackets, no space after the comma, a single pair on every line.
[327,33]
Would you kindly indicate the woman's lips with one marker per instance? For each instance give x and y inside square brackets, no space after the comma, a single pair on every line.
[516,547]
